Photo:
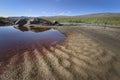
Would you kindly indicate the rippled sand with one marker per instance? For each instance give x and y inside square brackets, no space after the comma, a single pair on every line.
[80,58]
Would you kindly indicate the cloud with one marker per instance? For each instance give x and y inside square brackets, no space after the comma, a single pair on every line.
[64,13]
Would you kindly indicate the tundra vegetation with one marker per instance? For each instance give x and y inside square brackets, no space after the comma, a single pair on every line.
[90,20]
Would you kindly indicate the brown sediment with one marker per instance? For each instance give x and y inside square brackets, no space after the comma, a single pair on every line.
[17,52]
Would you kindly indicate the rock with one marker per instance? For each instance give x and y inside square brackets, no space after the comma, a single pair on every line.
[40,21]
[56,23]
[21,22]
[35,21]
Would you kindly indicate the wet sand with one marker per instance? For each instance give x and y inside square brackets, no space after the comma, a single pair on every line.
[79,58]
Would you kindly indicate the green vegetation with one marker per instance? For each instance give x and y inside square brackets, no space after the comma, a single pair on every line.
[91,20]
[4,21]
[102,19]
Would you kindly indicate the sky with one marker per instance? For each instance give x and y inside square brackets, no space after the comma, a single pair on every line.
[57,7]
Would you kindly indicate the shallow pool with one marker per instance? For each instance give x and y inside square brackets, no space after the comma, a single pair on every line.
[18,40]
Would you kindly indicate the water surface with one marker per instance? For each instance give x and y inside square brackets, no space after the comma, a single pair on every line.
[19,40]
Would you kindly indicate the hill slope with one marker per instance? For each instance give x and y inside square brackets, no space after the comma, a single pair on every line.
[99,18]
[102,15]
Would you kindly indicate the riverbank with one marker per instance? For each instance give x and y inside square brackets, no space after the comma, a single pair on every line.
[79,58]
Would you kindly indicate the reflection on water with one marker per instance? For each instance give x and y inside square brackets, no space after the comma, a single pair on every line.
[23,39]
[32,28]
[22,28]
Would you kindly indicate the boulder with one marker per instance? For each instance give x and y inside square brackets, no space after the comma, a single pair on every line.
[40,21]
[56,23]
[36,21]
[21,22]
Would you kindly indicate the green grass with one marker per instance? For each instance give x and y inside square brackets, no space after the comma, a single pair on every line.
[3,19]
[91,20]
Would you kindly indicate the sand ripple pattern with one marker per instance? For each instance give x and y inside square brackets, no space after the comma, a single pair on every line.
[80,59]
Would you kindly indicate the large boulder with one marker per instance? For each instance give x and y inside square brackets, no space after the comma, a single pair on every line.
[56,23]
[35,21]
[21,22]
[40,21]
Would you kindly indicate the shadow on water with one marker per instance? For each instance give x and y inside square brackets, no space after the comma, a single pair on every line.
[22,39]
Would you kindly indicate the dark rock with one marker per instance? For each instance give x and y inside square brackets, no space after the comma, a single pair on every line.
[21,22]
[56,23]
[40,21]
[36,21]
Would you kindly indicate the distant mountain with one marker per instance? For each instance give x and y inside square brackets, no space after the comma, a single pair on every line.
[102,15]
[90,15]
[97,18]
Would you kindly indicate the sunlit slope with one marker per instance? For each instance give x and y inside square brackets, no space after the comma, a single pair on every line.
[98,18]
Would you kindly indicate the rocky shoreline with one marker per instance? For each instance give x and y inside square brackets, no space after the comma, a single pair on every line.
[28,22]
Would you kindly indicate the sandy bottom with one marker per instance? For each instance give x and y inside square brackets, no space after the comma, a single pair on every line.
[80,59]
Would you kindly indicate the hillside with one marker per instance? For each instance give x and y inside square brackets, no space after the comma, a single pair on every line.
[99,18]
[102,15]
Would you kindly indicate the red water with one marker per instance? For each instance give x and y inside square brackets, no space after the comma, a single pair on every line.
[17,41]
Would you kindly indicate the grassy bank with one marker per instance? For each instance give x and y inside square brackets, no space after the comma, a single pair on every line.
[91,20]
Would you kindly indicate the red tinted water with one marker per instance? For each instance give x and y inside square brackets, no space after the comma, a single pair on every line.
[17,41]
